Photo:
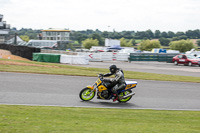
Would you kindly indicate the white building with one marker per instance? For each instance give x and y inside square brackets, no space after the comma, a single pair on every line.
[4,30]
[111,42]
[55,34]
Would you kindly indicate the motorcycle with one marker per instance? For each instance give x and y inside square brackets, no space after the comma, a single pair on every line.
[103,90]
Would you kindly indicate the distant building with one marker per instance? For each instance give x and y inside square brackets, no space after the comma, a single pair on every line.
[55,34]
[111,42]
[4,30]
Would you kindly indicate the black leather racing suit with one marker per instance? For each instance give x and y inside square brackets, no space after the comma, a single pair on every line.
[118,82]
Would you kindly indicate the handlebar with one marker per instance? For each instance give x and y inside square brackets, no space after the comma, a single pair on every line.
[100,76]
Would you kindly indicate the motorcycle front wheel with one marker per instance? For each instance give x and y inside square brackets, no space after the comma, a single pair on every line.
[124,94]
[86,95]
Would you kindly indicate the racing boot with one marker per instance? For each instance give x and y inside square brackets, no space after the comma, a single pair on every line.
[114,90]
[115,97]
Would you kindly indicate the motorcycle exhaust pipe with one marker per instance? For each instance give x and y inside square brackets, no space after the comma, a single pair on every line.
[131,94]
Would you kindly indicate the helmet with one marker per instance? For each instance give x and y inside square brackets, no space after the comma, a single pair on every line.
[113,68]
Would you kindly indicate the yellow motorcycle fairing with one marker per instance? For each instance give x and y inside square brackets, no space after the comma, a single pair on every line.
[102,88]
[99,86]
[90,87]
[98,82]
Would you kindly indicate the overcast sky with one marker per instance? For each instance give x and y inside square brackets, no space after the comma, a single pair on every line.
[105,15]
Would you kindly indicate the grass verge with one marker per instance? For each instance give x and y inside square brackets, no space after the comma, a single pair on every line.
[63,69]
[26,119]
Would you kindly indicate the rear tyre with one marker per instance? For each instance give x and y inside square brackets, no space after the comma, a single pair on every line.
[175,63]
[85,94]
[123,94]
[190,64]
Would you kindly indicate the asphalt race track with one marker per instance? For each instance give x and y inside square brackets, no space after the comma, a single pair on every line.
[150,67]
[56,90]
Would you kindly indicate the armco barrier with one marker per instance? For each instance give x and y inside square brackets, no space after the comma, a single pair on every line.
[109,56]
[73,59]
[122,56]
[23,51]
[143,57]
[106,56]
[161,57]
[169,57]
[95,57]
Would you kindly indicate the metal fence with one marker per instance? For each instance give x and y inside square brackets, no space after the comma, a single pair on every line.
[161,57]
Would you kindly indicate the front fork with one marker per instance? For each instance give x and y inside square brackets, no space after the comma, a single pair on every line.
[92,88]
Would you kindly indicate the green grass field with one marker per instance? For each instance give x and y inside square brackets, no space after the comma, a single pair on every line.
[33,119]
[40,119]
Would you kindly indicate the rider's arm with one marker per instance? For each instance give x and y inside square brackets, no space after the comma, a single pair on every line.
[107,74]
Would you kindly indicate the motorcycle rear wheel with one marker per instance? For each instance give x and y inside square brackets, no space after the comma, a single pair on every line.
[84,94]
[124,94]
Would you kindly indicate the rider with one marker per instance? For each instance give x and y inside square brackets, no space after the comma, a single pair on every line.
[118,82]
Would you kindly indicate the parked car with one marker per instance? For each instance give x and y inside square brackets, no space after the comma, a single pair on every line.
[186,59]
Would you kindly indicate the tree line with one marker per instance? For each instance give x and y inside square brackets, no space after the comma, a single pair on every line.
[97,34]
[127,38]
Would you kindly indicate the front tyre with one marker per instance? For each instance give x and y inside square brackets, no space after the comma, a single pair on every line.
[86,94]
[124,94]
[175,63]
